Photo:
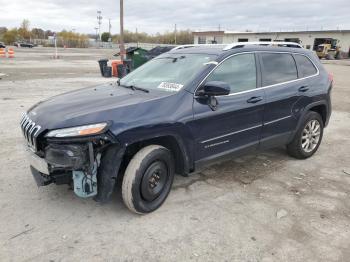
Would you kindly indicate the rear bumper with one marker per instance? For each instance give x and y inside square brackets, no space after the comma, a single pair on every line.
[329,111]
[329,104]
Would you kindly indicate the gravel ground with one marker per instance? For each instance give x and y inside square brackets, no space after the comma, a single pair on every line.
[263,207]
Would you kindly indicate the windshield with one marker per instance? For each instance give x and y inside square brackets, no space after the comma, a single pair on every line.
[170,72]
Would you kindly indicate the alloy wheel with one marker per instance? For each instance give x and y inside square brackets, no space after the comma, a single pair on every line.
[311,135]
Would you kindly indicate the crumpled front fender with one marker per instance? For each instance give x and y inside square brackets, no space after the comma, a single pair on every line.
[107,173]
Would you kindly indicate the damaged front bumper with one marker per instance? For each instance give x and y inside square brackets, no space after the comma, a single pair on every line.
[78,163]
[36,162]
[58,163]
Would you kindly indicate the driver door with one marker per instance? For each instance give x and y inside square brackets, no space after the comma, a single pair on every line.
[236,124]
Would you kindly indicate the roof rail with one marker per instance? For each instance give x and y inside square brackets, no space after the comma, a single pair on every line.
[197,45]
[241,44]
[265,43]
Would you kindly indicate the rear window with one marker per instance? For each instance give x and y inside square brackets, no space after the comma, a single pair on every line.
[305,66]
[278,68]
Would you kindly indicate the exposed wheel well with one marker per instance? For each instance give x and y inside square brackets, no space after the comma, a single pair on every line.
[168,142]
[322,110]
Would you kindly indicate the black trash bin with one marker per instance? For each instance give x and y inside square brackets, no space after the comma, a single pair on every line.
[103,64]
[107,71]
[128,64]
[121,70]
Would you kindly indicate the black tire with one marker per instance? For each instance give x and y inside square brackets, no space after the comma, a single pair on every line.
[148,179]
[295,148]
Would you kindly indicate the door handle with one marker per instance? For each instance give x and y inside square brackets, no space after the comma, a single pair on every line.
[303,88]
[254,99]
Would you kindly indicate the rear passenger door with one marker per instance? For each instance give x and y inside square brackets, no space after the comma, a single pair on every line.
[280,81]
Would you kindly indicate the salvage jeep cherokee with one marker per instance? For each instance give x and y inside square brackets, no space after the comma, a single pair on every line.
[183,109]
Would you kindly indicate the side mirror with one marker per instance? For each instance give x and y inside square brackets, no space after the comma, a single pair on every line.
[214,88]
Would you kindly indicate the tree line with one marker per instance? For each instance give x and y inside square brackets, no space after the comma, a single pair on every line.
[73,39]
[182,37]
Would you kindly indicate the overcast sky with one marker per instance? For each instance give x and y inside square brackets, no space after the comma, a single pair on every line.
[161,15]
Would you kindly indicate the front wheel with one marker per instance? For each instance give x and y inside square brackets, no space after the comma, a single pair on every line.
[308,137]
[148,179]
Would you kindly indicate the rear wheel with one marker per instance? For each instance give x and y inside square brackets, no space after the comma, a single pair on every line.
[148,178]
[308,137]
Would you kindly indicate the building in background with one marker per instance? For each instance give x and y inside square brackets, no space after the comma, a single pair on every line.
[308,39]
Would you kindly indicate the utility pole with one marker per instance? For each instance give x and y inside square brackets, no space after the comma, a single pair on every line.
[109,30]
[137,38]
[56,53]
[121,41]
[96,28]
[99,22]
[175,34]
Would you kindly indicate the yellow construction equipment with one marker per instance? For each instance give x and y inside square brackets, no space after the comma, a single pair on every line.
[328,50]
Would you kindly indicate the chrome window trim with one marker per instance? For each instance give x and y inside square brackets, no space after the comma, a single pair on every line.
[262,87]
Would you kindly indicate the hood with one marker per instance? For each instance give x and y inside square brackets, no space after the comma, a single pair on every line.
[89,105]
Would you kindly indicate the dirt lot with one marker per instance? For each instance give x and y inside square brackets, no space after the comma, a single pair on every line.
[265,207]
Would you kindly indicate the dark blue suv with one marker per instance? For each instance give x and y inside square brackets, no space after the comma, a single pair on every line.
[178,112]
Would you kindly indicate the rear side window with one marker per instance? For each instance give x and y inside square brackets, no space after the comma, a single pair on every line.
[305,66]
[278,68]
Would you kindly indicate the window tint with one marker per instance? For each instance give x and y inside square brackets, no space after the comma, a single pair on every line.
[305,66]
[238,71]
[278,68]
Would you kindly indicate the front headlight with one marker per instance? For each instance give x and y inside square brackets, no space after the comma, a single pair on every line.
[78,131]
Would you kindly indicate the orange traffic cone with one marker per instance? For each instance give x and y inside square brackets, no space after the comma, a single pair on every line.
[11,53]
[2,52]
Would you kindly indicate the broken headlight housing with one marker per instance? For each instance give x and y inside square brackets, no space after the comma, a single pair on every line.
[77,131]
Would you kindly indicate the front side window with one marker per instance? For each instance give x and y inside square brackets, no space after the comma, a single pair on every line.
[169,72]
[305,66]
[239,72]
[278,68]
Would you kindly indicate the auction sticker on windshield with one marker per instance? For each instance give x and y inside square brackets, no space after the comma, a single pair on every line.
[170,86]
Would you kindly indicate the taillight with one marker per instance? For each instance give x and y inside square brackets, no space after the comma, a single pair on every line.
[330,77]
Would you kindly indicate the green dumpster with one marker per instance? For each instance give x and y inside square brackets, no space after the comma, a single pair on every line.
[137,56]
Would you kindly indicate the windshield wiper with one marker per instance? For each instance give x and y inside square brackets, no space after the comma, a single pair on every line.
[173,58]
[132,87]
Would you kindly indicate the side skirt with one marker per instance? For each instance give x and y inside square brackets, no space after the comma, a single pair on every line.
[225,156]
